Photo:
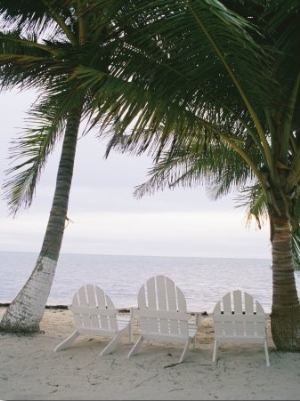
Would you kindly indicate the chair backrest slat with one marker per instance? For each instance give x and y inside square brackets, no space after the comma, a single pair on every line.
[249,303]
[151,294]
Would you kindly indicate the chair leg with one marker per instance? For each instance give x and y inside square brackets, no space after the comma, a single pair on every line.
[130,329]
[184,351]
[215,351]
[135,347]
[111,345]
[267,353]
[67,342]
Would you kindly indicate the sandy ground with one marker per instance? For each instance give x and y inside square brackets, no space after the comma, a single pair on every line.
[30,370]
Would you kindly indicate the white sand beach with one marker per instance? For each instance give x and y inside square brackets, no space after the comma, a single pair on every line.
[30,370]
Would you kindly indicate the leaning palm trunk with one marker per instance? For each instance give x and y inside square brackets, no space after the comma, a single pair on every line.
[285,314]
[27,309]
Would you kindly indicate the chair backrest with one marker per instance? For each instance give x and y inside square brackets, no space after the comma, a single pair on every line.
[239,316]
[162,308]
[93,309]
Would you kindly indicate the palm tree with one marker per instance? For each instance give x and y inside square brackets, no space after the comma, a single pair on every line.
[211,76]
[42,44]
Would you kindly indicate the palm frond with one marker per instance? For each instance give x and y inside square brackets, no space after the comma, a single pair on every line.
[253,199]
[29,154]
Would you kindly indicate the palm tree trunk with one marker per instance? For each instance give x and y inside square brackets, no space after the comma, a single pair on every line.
[27,309]
[285,316]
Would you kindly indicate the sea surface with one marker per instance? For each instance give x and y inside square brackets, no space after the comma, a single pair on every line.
[203,280]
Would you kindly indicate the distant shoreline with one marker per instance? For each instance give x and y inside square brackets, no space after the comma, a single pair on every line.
[6,305]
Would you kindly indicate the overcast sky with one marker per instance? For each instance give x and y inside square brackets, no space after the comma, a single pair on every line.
[107,219]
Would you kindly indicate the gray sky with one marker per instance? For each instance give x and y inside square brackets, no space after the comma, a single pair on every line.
[107,219]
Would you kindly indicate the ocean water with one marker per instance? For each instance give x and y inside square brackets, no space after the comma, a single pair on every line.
[203,280]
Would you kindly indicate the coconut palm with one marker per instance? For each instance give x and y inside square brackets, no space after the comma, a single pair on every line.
[42,44]
[210,74]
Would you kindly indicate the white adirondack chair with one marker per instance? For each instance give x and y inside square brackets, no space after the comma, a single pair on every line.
[95,315]
[163,315]
[239,319]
